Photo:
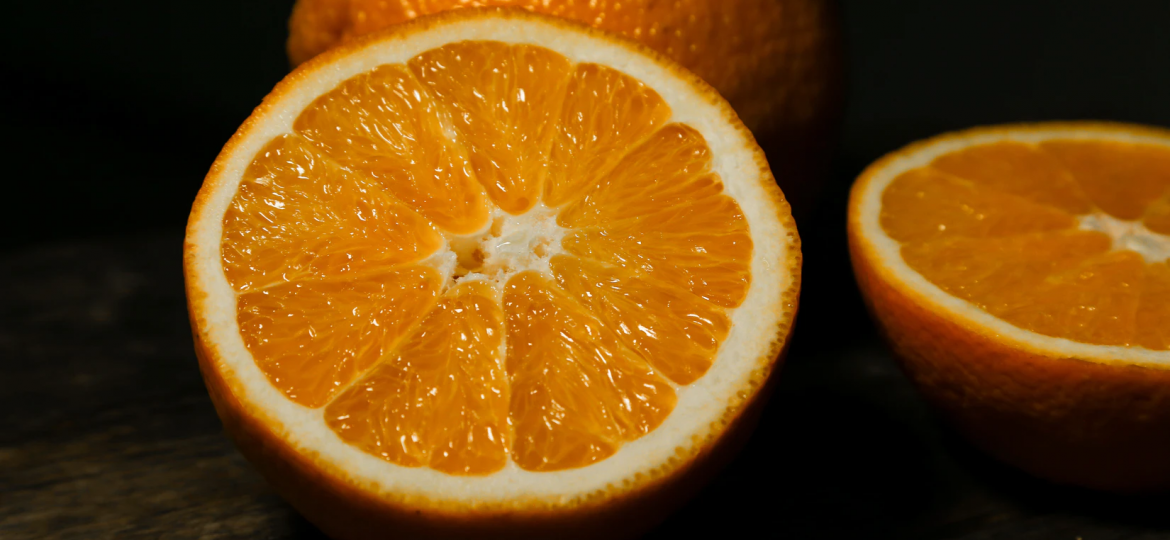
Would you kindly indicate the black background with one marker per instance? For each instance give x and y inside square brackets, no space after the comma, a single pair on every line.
[111,113]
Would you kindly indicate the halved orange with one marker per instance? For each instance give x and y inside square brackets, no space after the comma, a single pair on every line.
[1020,273]
[489,273]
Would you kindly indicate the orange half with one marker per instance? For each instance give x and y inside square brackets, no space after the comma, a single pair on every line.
[1021,274]
[490,266]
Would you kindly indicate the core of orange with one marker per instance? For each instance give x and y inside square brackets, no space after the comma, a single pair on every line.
[489,273]
[1020,274]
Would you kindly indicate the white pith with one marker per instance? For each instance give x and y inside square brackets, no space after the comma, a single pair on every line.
[508,244]
[700,405]
[1126,234]
[888,250]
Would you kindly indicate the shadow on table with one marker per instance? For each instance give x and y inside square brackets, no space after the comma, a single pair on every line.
[1039,497]
[830,459]
[300,529]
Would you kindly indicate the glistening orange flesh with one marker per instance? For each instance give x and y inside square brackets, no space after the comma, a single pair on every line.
[1014,228]
[328,238]
[999,225]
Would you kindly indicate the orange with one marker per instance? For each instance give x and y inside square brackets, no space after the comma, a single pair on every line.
[489,273]
[777,61]
[1020,274]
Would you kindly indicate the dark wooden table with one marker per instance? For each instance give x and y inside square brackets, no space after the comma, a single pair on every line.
[107,431]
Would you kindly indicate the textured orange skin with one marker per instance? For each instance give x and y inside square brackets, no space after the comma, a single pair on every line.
[777,61]
[343,508]
[344,511]
[1068,420]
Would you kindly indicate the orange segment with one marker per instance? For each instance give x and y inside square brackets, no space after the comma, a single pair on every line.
[604,114]
[313,338]
[441,399]
[1157,216]
[1120,178]
[1153,315]
[577,394]
[1096,302]
[678,333]
[672,168]
[702,248]
[1001,275]
[1019,169]
[505,100]
[280,228]
[385,124]
[662,212]
[925,204]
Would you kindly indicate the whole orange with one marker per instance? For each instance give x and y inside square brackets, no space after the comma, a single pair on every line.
[776,61]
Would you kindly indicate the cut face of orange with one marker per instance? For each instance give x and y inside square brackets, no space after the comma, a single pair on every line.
[1054,235]
[489,265]
[992,256]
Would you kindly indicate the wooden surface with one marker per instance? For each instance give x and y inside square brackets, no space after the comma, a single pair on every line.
[108,431]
